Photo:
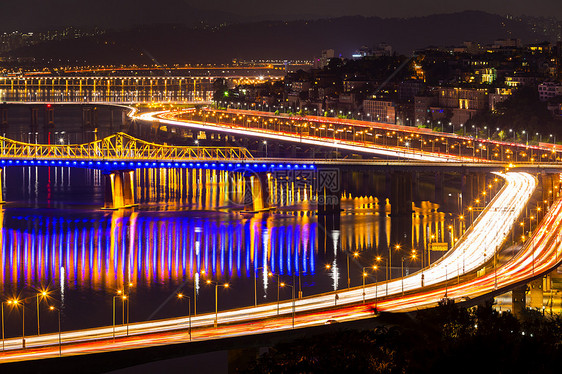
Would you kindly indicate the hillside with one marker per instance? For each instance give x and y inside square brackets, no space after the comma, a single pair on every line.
[169,44]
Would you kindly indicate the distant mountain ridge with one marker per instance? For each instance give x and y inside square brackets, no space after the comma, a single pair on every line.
[38,15]
[169,44]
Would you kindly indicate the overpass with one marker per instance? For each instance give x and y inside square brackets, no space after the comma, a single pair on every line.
[539,255]
[463,272]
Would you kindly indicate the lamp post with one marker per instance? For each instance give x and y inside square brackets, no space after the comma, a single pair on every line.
[127,298]
[123,297]
[293,297]
[42,294]
[376,268]
[363,275]
[256,270]
[413,257]
[389,265]
[3,337]
[60,338]
[181,296]
[403,276]
[217,285]
[270,274]
[355,255]
[16,302]
[9,302]
[446,280]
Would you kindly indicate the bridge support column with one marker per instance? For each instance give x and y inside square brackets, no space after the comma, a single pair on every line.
[49,119]
[466,191]
[125,121]
[537,293]
[549,183]
[481,187]
[33,117]
[401,196]
[90,117]
[439,191]
[328,192]
[387,185]
[416,187]
[120,189]
[256,192]
[518,301]
[4,117]
[1,184]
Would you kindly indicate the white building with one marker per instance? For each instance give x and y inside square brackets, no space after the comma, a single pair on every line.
[549,90]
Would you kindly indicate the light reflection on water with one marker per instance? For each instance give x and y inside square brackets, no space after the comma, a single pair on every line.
[109,250]
[187,229]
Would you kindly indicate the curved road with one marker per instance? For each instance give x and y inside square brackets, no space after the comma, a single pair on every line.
[470,253]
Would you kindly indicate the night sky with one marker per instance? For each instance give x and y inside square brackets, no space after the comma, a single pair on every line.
[24,15]
[385,8]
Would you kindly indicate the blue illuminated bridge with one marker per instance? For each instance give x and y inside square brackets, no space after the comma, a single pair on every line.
[120,154]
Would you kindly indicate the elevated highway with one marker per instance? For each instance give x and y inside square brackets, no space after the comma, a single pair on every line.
[460,274]
[419,290]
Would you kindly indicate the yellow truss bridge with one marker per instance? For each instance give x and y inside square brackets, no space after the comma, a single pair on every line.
[118,147]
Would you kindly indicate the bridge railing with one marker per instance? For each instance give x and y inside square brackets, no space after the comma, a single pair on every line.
[118,146]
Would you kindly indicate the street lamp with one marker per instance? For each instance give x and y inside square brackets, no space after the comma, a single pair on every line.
[355,255]
[128,299]
[60,340]
[376,268]
[270,274]
[181,296]
[364,275]
[397,248]
[123,298]
[265,143]
[413,257]
[217,285]
[15,303]
[283,284]
[11,303]
[41,294]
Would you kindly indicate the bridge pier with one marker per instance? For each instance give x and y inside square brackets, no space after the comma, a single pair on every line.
[4,117]
[466,190]
[1,184]
[416,187]
[33,118]
[536,291]
[49,119]
[256,192]
[518,301]
[328,192]
[439,191]
[550,186]
[125,121]
[90,117]
[119,189]
[401,196]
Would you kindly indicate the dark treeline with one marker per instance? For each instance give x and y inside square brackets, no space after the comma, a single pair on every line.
[448,339]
